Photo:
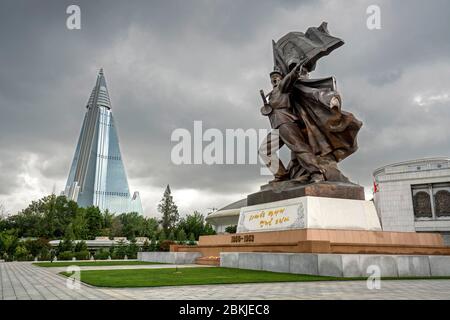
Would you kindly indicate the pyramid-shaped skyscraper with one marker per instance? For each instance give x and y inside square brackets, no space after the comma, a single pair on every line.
[97,176]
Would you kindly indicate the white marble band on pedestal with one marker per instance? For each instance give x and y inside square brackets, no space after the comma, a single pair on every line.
[309,213]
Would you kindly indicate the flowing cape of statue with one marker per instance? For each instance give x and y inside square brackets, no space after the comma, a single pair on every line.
[329,129]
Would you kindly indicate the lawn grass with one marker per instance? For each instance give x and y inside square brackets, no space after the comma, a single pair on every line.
[201,276]
[99,263]
[186,276]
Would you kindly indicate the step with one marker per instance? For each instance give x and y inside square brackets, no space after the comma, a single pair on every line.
[208,261]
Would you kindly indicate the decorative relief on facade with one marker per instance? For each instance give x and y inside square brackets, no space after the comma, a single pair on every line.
[422,205]
[442,203]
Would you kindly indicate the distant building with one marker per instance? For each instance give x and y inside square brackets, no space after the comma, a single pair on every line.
[414,196]
[104,242]
[97,176]
[226,216]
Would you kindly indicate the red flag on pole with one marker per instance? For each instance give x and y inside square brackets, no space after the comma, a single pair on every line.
[375,187]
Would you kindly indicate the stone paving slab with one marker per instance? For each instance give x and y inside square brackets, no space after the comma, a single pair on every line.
[355,290]
[22,280]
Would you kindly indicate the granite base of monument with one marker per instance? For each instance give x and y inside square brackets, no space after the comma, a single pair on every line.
[277,191]
[340,265]
[325,227]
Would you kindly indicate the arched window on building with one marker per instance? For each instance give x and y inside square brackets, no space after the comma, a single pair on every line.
[441,193]
[422,202]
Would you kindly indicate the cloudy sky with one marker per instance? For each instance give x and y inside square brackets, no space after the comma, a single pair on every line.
[169,63]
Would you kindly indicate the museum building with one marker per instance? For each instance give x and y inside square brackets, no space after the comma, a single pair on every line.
[414,196]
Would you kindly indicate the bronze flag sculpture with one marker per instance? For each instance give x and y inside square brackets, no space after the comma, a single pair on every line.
[306,113]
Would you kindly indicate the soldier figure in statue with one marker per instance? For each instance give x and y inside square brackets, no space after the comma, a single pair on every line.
[305,114]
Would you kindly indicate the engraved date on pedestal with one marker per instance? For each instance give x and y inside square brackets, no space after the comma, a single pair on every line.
[244,238]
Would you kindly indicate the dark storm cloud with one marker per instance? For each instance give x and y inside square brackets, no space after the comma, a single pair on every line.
[169,63]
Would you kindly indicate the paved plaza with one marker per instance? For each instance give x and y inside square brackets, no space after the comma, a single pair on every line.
[22,280]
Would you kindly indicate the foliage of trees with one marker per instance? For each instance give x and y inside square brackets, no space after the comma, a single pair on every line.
[231,229]
[195,224]
[56,217]
[169,211]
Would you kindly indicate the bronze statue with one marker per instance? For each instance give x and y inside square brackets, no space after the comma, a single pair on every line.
[306,113]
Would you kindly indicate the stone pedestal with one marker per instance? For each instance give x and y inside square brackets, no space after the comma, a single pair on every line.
[309,213]
[289,189]
[328,221]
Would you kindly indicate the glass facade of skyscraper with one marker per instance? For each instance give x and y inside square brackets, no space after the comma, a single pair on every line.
[97,176]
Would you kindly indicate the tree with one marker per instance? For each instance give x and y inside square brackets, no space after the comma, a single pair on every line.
[107,222]
[94,222]
[133,225]
[153,244]
[46,217]
[107,218]
[162,236]
[69,234]
[169,211]
[21,253]
[181,236]
[65,245]
[116,227]
[132,249]
[195,223]
[80,225]
[120,250]
[150,227]
[57,212]
[80,246]
[38,247]
[8,243]
[28,223]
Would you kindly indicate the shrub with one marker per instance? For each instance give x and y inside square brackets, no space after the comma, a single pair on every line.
[21,253]
[37,247]
[132,250]
[231,229]
[65,245]
[181,236]
[66,255]
[162,236]
[44,255]
[154,244]
[81,246]
[120,250]
[165,245]
[102,254]
[82,255]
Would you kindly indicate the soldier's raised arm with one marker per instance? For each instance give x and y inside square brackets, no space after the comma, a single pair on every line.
[288,81]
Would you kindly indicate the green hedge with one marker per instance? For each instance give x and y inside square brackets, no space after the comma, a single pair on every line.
[82,255]
[101,254]
[66,255]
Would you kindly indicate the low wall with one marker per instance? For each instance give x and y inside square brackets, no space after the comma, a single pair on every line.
[348,237]
[169,257]
[339,265]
